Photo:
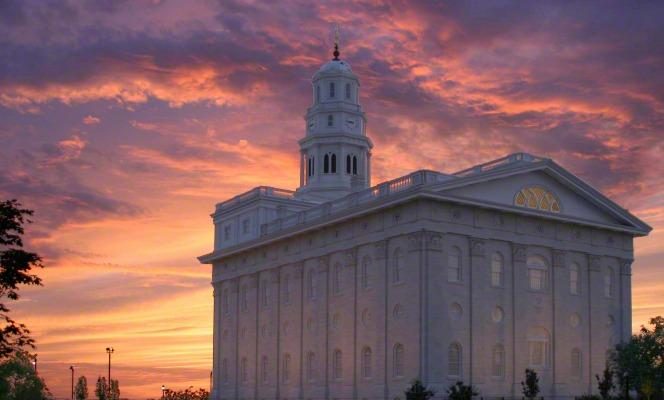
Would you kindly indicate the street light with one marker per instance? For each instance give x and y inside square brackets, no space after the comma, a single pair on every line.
[163,392]
[34,363]
[71,367]
[110,351]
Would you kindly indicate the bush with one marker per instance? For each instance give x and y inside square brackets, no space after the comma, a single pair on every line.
[417,391]
[530,388]
[459,391]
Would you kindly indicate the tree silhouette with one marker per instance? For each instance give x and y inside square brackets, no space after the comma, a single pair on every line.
[101,389]
[81,389]
[417,391]
[530,387]
[15,269]
[18,379]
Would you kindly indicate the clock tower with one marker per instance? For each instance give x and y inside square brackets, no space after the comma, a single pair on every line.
[335,154]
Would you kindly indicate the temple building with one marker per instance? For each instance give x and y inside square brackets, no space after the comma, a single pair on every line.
[343,290]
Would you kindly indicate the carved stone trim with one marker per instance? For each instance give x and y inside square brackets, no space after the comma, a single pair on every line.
[379,249]
[434,241]
[323,263]
[595,263]
[350,258]
[476,247]
[415,241]
[518,252]
[626,266]
[559,258]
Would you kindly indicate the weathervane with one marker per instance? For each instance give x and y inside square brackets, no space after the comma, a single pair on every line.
[336,43]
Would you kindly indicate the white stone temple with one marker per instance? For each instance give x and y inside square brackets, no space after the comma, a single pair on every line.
[343,290]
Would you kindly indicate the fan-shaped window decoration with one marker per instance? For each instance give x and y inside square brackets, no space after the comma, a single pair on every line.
[538,198]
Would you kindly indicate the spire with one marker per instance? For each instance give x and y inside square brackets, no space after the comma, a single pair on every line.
[336,43]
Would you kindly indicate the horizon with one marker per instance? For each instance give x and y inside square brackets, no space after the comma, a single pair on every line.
[123,124]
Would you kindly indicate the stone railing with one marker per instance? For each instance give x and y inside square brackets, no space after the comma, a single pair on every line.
[510,159]
[382,190]
[261,191]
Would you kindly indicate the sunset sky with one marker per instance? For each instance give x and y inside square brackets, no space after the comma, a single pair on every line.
[122,123]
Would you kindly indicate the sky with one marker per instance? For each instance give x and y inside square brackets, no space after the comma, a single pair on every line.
[122,123]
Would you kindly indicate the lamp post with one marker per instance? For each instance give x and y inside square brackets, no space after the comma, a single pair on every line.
[71,367]
[109,351]
[34,363]
[163,392]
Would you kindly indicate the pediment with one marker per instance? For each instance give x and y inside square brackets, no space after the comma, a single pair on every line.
[548,191]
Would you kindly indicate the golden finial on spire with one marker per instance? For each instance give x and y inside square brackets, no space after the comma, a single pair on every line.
[336,42]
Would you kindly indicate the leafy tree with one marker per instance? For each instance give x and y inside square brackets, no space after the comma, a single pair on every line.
[605,384]
[114,390]
[101,389]
[459,391]
[19,381]
[417,391]
[187,394]
[15,269]
[81,389]
[639,363]
[530,388]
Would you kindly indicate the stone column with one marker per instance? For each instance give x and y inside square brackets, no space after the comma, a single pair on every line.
[477,265]
[216,343]
[558,270]
[596,318]
[416,248]
[626,299]
[433,247]
[519,264]
[381,249]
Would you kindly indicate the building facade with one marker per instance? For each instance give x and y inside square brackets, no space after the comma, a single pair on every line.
[340,290]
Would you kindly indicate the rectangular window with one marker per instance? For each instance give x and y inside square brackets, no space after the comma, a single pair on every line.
[332,89]
[245,226]
[538,353]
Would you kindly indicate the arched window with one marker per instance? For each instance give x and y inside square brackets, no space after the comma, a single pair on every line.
[348,164]
[337,364]
[326,164]
[285,367]
[364,278]
[332,89]
[334,163]
[287,289]
[574,278]
[397,265]
[498,361]
[497,266]
[244,298]
[243,370]
[537,198]
[608,283]
[454,265]
[398,360]
[537,273]
[330,120]
[366,362]
[311,284]
[224,370]
[310,366]
[336,279]
[538,347]
[348,90]
[308,166]
[264,369]
[354,165]
[454,360]
[318,94]
[576,364]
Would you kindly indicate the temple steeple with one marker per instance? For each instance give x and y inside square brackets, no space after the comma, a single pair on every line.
[335,152]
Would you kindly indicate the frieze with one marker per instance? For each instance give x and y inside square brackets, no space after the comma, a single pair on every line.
[379,249]
[519,253]
[559,258]
[595,263]
[626,266]
[477,247]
